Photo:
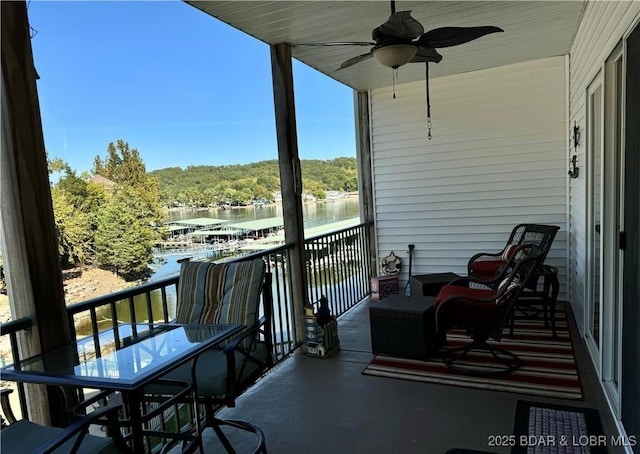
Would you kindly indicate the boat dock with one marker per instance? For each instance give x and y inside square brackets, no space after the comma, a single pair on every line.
[196,236]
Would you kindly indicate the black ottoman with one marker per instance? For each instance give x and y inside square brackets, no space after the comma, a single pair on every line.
[429,284]
[404,326]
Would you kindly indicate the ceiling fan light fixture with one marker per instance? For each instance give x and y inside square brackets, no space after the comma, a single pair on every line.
[395,55]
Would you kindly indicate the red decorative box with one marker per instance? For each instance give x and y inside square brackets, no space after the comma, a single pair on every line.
[383,286]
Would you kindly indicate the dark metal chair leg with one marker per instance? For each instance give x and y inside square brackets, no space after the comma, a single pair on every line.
[555,288]
[6,406]
[507,361]
[222,437]
[261,447]
[512,321]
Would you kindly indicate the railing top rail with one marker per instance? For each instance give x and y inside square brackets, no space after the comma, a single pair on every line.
[260,254]
[14,326]
[346,229]
[120,295]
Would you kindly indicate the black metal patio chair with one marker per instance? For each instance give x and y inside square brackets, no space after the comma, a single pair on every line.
[23,436]
[222,293]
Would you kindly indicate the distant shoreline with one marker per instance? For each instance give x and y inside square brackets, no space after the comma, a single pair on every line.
[348,195]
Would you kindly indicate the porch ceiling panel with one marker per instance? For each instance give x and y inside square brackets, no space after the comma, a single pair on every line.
[532,30]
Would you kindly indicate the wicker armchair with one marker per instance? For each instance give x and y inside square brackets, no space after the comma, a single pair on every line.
[491,267]
[483,312]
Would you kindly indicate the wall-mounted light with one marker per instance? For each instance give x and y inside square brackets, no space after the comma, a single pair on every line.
[574,171]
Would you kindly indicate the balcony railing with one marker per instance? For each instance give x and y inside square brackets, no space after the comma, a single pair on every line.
[338,267]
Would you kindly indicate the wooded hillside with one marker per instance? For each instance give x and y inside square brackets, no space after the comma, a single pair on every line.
[240,184]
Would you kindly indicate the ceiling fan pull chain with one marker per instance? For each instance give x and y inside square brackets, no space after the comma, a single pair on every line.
[426,79]
[394,73]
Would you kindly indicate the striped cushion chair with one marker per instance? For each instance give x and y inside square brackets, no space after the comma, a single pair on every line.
[220,293]
[225,293]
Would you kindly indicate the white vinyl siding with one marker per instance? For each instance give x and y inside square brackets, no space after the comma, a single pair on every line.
[497,159]
[601,28]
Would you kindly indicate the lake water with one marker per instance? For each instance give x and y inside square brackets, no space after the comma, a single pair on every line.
[315,214]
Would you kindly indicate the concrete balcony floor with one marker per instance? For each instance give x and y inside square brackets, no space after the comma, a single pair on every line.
[309,405]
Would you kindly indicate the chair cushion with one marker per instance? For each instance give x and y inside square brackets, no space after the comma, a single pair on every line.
[508,252]
[506,293]
[24,436]
[211,372]
[220,293]
[464,293]
[469,314]
[486,268]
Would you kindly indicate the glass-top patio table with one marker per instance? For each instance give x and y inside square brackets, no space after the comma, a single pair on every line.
[124,358]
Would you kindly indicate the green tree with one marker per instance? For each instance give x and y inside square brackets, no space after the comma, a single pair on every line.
[315,188]
[57,165]
[75,204]
[132,213]
[122,164]
[194,197]
[73,228]
[75,188]
[124,238]
[260,192]
[337,174]
[270,182]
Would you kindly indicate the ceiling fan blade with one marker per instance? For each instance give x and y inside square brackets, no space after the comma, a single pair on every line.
[453,36]
[346,43]
[354,60]
[400,25]
[426,54]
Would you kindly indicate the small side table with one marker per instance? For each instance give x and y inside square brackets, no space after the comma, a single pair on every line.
[404,326]
[548,296]
[430,284]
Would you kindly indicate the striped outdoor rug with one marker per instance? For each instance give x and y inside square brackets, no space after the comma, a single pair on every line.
[548,365]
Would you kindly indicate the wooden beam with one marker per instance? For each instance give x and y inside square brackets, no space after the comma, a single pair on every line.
[365,172]
[290,177]
[34,276]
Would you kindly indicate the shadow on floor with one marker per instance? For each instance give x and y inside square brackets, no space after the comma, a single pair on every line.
[310,405]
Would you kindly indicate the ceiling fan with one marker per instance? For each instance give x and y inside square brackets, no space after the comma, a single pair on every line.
[402,39]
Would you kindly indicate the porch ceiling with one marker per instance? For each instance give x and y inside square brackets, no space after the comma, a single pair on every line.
[532,30]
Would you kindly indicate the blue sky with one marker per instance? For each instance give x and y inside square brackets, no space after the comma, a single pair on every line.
[178,85]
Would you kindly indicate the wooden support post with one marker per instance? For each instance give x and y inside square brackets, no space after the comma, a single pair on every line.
[34,275]
[290,178]
[364,160]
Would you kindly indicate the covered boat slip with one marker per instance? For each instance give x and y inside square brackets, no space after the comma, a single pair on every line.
[260,234]
[310,232]
[217,229]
